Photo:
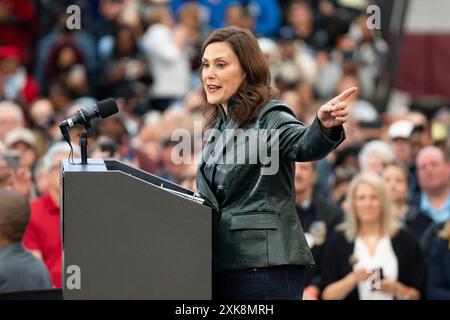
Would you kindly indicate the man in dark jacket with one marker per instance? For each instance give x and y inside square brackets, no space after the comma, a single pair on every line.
[19,269]
[318,217]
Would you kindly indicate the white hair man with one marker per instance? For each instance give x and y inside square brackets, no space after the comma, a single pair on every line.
[374,155]
[43,235]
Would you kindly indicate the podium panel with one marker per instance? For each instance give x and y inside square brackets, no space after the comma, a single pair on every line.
[131,235]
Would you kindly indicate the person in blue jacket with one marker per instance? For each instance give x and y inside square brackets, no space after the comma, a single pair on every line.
[214,10]
[265,13]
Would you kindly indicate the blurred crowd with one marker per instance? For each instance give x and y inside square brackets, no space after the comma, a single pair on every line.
[382,197]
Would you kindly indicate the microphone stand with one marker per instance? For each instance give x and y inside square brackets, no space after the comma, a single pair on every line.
[83,146]
[84,141]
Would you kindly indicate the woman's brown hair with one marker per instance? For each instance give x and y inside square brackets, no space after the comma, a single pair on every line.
[255,90]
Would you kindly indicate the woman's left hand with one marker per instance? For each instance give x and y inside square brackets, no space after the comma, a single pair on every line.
[389,286]
[399,290]
[335,112]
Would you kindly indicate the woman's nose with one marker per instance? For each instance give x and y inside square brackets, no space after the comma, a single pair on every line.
[210,73]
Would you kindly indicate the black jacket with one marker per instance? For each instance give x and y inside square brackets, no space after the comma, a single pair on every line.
[411,264]
[325,214]
[439,270]
[417,221]
[255,223]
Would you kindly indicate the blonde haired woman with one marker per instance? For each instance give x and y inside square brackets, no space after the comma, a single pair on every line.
[371,257]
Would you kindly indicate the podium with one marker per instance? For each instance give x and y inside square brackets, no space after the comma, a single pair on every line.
[128,234]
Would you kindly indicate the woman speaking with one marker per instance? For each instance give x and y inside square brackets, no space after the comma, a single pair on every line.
[259,249]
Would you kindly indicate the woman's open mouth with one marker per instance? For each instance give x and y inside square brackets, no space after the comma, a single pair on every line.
[213,88]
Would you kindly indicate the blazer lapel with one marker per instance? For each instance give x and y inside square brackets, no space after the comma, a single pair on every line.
[204,188]
[202,182]
[216,154]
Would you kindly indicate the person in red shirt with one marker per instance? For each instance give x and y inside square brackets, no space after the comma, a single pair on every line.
[15,82]
[43,235]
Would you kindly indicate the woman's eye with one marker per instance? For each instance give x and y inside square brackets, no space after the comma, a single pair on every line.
[205,65]
[220,65]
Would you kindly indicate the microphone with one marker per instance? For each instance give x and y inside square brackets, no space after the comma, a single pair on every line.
[102,109]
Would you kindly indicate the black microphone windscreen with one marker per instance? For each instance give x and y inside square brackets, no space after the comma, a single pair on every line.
[107,107]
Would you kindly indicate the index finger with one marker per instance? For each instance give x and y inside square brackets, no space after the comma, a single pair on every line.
[344,95]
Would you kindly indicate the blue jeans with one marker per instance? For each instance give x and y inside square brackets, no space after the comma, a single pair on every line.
[270,283]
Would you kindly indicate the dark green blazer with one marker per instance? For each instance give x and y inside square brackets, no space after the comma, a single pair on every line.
[255,223]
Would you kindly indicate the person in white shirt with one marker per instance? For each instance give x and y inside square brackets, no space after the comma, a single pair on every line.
[165,48]
[371,257]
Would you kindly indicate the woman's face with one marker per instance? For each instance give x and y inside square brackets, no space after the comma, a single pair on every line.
[374,164]
[396,183]
[28,155]
[222,73]
[66,58]
[367,204]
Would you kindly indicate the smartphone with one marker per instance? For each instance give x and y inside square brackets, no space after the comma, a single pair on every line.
[11,158]
[378,276]
[379,272]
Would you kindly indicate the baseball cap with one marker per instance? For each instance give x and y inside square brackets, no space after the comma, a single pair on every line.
[400,129]
[20,135]
[10,52]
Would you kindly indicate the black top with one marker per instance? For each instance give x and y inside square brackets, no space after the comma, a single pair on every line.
[319,219]
[416,221]
[411,265]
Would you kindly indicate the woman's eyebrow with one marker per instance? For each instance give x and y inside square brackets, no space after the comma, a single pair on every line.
[218,58]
